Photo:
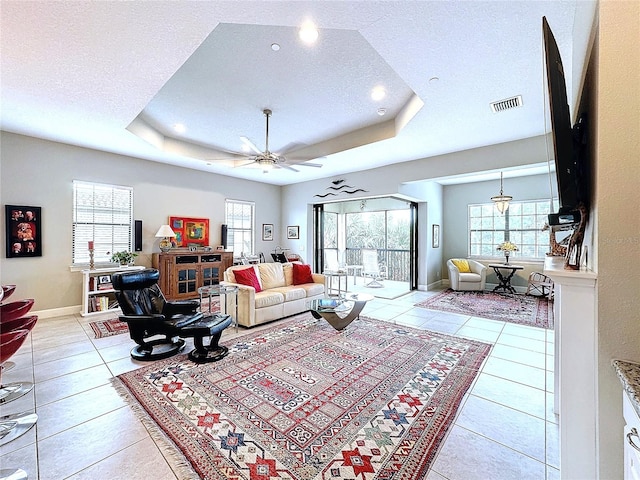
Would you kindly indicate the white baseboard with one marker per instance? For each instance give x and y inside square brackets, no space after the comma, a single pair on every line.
[57,312]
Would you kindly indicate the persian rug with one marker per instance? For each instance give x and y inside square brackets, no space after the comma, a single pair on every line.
[520,309]
[107,328]
[300,400]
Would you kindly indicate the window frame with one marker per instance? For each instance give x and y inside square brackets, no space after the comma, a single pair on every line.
[510,233]
[231,229]
[104,243]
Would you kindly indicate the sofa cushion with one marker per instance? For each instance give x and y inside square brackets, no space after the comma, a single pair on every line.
[288,273]
[313,289]
[469,277]
[247,276]
[267,298]
[291,293]
[301,274]
[271,275]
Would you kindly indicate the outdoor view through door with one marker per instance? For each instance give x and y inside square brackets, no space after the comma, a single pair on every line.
[372,241]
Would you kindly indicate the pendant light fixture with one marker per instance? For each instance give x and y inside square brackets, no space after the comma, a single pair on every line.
[502,201]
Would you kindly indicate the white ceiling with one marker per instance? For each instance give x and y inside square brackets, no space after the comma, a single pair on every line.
[82,72]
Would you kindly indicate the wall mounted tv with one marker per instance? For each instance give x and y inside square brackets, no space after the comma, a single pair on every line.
[570,144]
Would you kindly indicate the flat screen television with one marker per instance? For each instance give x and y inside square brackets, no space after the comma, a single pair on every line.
[570,144]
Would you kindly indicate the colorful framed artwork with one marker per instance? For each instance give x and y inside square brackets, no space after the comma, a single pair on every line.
[267,231]
[190,231]
[23,231]
[293,232]
[435,240]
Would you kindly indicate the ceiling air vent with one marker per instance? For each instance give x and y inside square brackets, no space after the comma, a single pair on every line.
[506,104]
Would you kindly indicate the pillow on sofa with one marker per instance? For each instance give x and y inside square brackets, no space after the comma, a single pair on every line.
[271,275]
[462,265]
[247,276]
[301,274]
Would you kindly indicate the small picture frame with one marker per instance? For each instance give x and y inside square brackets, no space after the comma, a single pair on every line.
[293,232]
[267,232]
[23,231]
[104,279]
[435,236]
[193,248]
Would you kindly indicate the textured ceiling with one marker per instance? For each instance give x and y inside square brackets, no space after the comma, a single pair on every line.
[82,72]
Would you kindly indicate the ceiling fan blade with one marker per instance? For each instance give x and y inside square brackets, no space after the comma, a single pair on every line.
[307,164]
[284,165]
[251,145]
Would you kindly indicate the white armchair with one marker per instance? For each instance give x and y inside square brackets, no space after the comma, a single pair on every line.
[475,279]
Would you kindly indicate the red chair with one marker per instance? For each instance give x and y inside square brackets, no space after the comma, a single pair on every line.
[23,323]
[13,310]
[7,290]
[15,425]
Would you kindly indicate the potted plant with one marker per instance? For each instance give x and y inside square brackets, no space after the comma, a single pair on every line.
[124,257]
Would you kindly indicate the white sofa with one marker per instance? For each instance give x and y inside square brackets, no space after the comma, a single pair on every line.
[279,298]
[467,281]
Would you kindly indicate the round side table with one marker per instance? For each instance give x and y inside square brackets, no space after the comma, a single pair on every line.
[226,293]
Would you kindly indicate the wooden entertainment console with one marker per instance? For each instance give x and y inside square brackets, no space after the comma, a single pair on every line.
[182,272]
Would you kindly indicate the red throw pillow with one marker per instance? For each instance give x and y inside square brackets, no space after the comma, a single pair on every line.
[247,276]
[301,274]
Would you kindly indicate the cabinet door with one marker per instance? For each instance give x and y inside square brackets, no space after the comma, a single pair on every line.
[210,274]
[186,281]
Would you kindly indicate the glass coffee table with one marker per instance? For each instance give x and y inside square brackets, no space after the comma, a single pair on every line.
[339,312]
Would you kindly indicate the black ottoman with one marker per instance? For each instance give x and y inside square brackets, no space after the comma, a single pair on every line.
[208,326]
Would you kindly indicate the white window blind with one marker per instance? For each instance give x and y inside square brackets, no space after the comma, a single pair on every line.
[102,214]
[240,226]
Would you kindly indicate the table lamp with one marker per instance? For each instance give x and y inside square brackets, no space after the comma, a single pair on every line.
[166,234]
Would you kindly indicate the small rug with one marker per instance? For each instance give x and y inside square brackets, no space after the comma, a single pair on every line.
[520,309]
[107,328]
[300,401]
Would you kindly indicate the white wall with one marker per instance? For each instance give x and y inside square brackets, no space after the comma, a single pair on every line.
[40,173]
[617,147]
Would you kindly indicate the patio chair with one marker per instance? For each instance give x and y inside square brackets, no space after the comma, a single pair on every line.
[373,269]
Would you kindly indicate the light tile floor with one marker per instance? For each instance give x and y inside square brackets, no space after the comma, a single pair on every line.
[505,428]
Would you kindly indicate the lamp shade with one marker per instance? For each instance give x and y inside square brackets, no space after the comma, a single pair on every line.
[165,231]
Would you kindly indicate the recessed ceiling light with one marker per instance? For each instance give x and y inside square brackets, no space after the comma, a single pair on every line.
[179,127]
[378,93]
[382,111]
[275,47]
[308,32]
[434,80]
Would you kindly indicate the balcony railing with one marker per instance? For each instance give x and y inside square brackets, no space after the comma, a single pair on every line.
[397,262]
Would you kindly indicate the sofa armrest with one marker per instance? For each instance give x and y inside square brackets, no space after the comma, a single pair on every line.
[246,299]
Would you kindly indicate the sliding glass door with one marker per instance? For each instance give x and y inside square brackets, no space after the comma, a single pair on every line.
[387,225]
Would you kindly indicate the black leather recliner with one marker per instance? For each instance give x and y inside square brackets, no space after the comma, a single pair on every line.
[148,314]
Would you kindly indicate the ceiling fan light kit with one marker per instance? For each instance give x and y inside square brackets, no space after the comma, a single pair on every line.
[268,160]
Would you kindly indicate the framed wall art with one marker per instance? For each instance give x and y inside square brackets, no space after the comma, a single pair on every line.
[267,231]
[190,231]
[23,231]
[435,236]
[293,232]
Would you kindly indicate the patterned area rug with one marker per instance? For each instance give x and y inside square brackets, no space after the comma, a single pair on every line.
[520,309]
[107,328]
[303,401]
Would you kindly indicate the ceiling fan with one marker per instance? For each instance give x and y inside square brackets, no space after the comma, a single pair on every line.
[268,159]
